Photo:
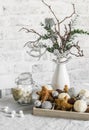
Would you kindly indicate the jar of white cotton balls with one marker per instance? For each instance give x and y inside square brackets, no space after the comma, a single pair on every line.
[22,93]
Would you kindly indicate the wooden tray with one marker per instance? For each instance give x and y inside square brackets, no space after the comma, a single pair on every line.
[60,114]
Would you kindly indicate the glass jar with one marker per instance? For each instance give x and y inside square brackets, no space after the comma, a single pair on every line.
[22,93]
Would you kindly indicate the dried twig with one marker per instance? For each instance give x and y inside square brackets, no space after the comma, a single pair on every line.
[79,53]
[30,31]
[58,32]
[33,42]
[69,16]
[55,31]
[51,10]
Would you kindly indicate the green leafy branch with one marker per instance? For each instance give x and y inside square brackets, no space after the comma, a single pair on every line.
[61,42]
[79,31]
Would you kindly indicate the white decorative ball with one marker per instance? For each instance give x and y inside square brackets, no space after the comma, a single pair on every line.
[13,112]
[37,103]
[46,105]
[12,115]
[80,106]
[62,95]
[84,92]
[6,109]
[72,92]
[55,93]
[20,112]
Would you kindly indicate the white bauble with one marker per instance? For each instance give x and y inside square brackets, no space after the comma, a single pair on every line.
[72,92]
[55,93]
[80,106]
[84,92]
[46,105]
[37,103]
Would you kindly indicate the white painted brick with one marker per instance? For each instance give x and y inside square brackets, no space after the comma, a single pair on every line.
[6,20]
[7,81]
[10,56]
[22,67]
[78,71]
[86,52]
[42,67]
[76,1]
[12,33]
[79,75]
[83,21]
[78,63]
[82,9]
[31,7]
[15,14]
[1,35]
[43,78]
[29,58]
[6,68]
[22,8]
[83,41]
[9,45]
[1,10]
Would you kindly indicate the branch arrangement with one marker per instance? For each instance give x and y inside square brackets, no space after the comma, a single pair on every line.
[61,44]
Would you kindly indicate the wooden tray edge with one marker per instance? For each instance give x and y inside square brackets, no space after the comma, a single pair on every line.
[60,114]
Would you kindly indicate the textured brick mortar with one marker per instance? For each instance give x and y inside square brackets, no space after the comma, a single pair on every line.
[15,14]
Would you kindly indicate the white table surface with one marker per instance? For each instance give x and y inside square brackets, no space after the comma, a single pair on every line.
[31,122]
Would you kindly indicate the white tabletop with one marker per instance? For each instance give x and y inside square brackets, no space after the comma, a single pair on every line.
[31,122]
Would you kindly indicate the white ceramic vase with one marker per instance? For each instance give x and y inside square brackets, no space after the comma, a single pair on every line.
[60,76]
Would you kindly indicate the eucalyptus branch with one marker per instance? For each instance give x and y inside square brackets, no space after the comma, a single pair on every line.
[62,44]
[79,31]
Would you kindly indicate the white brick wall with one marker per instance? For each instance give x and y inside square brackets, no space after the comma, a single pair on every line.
[15,14]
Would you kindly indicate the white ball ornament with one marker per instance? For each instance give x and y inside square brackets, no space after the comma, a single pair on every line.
[63,95]
[72,92]
[12,115]
[37,103]
[46,105]
[6,108]
[80,106]
[84,92]
[21,114]
[55,93]
[13,112]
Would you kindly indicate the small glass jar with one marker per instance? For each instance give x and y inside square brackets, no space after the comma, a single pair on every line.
[22,93]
